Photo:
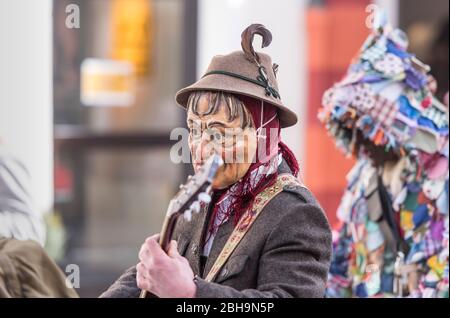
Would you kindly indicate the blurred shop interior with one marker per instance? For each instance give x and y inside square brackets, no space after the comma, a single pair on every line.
[90,109]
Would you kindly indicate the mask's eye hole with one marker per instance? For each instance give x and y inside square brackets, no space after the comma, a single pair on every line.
[215,135]
[195,132]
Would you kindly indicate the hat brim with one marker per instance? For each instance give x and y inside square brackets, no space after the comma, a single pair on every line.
[223,83]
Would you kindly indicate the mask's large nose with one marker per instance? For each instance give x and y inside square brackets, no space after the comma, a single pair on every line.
[203,148]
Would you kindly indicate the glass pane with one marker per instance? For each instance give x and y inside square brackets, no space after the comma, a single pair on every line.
[154,108]
[125,200]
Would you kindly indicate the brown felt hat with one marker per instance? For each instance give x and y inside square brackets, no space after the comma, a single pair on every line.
[244,73]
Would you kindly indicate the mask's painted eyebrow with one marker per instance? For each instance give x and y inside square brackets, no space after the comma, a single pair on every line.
[217,123]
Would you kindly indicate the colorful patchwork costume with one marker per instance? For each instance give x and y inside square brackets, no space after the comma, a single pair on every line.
[393,237]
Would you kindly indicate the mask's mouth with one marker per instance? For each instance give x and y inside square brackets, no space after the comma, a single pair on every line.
[198,164]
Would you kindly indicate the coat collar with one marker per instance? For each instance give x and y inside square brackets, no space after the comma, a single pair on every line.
[221,237]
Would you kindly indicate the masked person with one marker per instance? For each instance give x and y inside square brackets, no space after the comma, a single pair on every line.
[285,239]
[393,240]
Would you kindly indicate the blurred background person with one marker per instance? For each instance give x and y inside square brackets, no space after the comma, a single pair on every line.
[27,271]
[26,268]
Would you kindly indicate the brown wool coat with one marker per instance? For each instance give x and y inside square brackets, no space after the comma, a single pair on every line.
[26,271]
[286,252]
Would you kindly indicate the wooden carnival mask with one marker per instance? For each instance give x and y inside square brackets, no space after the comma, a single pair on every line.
[219,123]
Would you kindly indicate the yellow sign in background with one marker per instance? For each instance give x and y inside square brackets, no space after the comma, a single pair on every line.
[132,33]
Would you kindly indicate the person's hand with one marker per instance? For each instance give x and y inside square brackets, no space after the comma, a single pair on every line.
[164,275]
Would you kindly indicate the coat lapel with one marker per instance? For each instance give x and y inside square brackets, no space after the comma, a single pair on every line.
[223,233]
[194,252]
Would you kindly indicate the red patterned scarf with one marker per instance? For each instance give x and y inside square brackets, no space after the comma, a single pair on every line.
[262,173]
